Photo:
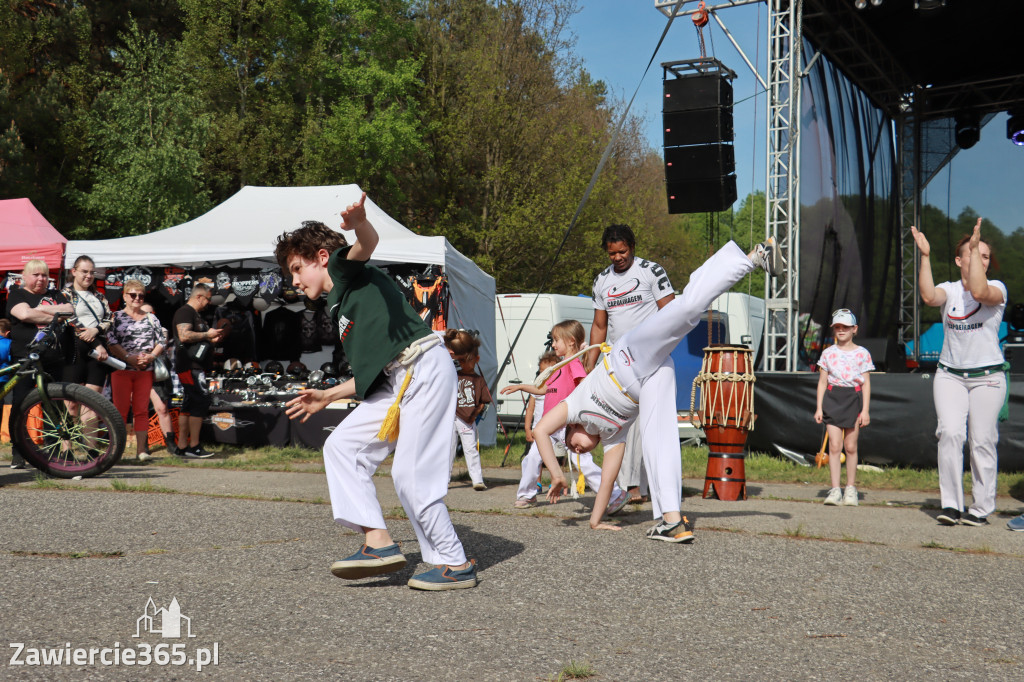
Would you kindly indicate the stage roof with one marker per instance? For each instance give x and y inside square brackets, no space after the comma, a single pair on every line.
[966,55]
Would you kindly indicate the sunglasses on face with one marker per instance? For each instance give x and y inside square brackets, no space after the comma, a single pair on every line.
[134,294]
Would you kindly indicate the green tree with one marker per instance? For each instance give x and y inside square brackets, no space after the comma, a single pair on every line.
[147,133]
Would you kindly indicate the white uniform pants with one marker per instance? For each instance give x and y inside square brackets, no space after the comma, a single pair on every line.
[467,434]
[353,452]
[968,407]
[632,472]
[532,463]
[641,362]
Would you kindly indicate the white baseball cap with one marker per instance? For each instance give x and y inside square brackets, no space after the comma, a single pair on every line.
[844,316]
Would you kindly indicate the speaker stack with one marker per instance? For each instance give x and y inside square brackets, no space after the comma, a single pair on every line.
[697,120]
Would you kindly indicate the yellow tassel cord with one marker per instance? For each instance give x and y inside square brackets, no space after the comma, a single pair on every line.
[581,482]
[389,429]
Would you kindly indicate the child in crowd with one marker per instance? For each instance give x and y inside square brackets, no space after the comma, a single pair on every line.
[621,391]
[529,483]
[402,374]
[5,342]
[567,339]
[472,401]
[844,394]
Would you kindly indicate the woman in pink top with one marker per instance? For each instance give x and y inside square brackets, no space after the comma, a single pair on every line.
[567,338]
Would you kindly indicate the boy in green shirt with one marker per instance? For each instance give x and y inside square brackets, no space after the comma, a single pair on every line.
[400,365]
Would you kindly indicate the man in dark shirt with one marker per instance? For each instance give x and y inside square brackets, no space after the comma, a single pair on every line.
[195,351]
[397,363]
[31,307]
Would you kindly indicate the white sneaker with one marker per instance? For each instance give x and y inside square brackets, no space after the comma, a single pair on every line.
[835,497]
[768,258]
[479,486]
[850,496]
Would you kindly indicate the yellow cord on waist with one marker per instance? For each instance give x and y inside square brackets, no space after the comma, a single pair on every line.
[389,429]
[611,375]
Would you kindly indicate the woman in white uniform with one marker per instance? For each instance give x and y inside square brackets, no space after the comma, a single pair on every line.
[970,383]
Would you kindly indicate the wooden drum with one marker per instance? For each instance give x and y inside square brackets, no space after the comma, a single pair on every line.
[726,414]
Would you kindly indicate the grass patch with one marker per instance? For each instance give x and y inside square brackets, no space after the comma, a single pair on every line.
[44,482]
[267,458]
[797,532]
[576,670]
[146,486]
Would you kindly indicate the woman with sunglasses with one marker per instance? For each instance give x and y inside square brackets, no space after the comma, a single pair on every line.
[970,383]
[137,338]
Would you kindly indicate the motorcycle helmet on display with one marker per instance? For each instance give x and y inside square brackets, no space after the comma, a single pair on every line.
[329,370]
[273,367]
[297,370]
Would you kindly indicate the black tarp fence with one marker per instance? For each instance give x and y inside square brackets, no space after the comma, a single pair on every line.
[903,422]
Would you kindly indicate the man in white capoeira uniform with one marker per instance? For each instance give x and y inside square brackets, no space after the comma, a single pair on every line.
[617,394]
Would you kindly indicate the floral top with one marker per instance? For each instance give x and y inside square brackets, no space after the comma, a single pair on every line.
[91,309]
[846,368]
[136,336]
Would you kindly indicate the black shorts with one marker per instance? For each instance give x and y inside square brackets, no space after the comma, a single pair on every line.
[196,401]
[841,406]
[86,370]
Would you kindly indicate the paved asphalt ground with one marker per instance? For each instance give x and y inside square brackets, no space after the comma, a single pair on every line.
[777,587]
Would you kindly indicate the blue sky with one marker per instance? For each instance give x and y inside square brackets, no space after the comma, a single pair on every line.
[615,39]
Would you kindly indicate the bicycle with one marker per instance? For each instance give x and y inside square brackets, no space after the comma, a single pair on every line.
[49,435]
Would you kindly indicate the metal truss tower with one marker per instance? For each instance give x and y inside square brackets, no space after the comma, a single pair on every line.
[783,182]
[783,172]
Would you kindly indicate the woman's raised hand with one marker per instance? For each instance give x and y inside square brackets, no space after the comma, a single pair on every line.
[922,242]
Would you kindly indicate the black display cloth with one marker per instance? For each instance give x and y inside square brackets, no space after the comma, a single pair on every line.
[903,422]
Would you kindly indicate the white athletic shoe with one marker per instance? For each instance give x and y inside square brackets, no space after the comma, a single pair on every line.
[768,258]
[835,497]
[850,496]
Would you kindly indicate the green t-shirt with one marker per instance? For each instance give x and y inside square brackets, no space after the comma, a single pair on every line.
[373,319]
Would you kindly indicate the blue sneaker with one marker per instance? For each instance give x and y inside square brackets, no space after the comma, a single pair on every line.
[369,561]
[616,504]
[444,578]
[1016,524]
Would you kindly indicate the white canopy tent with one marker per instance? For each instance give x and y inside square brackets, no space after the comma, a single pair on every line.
[243,229]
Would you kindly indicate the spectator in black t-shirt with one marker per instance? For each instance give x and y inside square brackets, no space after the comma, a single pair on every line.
[195,351]
[31,307]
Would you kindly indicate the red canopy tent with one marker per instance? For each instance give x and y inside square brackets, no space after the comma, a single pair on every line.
[25,235]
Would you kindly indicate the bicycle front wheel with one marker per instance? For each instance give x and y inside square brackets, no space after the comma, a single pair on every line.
[63,442]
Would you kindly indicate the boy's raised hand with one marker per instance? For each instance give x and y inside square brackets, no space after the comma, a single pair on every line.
[354,214]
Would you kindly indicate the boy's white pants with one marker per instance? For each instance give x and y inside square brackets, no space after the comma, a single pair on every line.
[467,434]
[641,361]
[968,408]
[353,452]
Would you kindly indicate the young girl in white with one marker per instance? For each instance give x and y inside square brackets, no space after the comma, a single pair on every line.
[567,338]
[531,464]
[844,394]
[473,398]
[622,389]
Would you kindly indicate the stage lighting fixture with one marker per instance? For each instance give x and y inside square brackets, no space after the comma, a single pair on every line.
[1015,128]
[860,4]
[876,3]
[929,5]
[968,130]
